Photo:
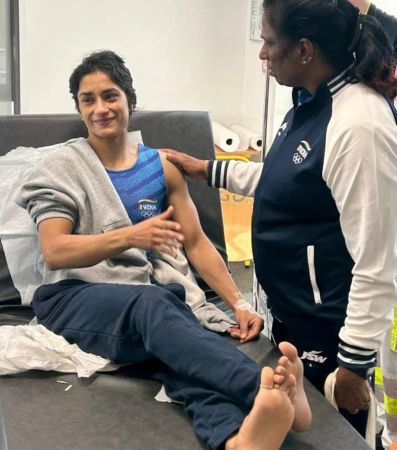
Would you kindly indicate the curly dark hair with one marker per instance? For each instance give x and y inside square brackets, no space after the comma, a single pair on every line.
[110,63]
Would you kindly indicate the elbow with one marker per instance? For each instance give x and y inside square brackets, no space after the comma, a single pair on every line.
[51,258]
[52,265]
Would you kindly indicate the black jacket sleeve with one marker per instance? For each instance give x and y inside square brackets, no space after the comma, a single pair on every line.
[388,22]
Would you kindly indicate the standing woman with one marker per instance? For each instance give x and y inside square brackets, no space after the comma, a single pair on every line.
[324,221]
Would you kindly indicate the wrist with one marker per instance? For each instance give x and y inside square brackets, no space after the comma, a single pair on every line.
[243,305]
[206,162]
[129,238]
[356,359]
[359,372]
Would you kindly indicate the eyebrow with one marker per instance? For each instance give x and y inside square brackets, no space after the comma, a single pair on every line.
[106,91]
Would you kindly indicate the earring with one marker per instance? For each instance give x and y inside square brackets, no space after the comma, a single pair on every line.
[304,61]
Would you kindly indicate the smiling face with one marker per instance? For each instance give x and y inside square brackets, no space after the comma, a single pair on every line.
[103,106]
[283,58]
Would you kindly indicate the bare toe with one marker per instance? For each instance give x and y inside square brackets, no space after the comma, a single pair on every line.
[303,415]
[278,379]
[280,370]
[267,375]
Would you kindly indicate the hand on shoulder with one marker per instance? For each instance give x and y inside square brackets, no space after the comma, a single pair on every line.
[188,165]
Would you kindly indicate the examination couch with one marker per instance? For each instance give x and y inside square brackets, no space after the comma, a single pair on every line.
[117,411]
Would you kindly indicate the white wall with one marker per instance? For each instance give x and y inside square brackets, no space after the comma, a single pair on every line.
[389,6]
[183,54]
[253,97]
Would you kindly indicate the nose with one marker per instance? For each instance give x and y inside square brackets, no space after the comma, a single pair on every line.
[101,106]
[263,54]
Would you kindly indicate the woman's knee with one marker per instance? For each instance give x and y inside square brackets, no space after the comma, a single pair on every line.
[155,296]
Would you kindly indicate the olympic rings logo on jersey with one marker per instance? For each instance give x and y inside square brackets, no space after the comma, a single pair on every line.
[148,214]
[297,159]
[148,208]
[302,152]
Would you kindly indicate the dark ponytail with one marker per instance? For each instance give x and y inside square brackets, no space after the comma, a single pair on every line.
[375,62]
[342,35]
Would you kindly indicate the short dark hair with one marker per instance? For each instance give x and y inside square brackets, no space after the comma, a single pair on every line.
[342,35]
[110,63]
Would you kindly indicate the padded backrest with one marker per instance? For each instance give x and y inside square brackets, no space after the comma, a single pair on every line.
[187,131]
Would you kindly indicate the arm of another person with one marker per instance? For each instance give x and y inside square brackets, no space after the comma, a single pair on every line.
[63,249]
[361,171]
[204,257]
[236,176]
[362,5]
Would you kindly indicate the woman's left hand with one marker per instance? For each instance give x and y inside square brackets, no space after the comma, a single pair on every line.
[250,325]
[351,391]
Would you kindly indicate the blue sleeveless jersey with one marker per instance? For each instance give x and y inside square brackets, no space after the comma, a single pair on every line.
[141,188]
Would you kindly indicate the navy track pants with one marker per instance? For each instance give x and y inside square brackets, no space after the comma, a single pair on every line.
[215,382]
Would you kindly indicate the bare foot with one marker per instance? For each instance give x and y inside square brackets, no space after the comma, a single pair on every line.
[290,363]
[270,418]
